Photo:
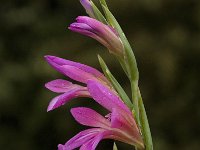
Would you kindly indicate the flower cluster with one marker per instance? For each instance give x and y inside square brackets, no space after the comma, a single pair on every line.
[120,124]
[126,121]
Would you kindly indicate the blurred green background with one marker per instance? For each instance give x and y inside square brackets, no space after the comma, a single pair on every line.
[165,35]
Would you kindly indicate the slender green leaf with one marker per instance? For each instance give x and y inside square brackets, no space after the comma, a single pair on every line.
[123,65]
[115,83]
[98,15]
[145,125]
[103,2]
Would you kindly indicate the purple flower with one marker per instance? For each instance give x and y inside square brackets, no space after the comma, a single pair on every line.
[75,71]
[88,7]
[69,91]
[105,34]
[119,126]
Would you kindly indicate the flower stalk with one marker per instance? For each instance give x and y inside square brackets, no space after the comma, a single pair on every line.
[127,120]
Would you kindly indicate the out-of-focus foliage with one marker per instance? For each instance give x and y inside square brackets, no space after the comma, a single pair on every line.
[165,35]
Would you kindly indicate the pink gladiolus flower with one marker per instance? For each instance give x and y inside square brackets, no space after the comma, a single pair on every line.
[69,91]
[119,126]
[75,71]
[105,34]
[119,123]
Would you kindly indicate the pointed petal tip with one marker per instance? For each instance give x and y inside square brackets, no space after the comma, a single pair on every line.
[54,103]
[46,85]
[72,24]
[73,110]
[76,27]
[81,19]
[69,27]
[61,147]
[49,58]
[53,106]
[50,108]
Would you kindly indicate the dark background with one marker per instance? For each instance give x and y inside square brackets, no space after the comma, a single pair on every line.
[165,35]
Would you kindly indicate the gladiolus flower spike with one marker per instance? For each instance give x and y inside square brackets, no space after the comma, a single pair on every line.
[126,121]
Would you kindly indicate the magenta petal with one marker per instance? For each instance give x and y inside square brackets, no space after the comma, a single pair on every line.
[80,26]
[60,86]
[82,31]
[123,121]
[81,138]
[97,26]
[105,97]
[89,117]
[105,31]
[92,144]
[95,29]
[77,74]
[57,63]
[61,147]
[126,123]
[116,120]
[64,98]
[88,31]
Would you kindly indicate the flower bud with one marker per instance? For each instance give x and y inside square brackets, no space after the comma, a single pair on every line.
[105,34]
[88,7]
